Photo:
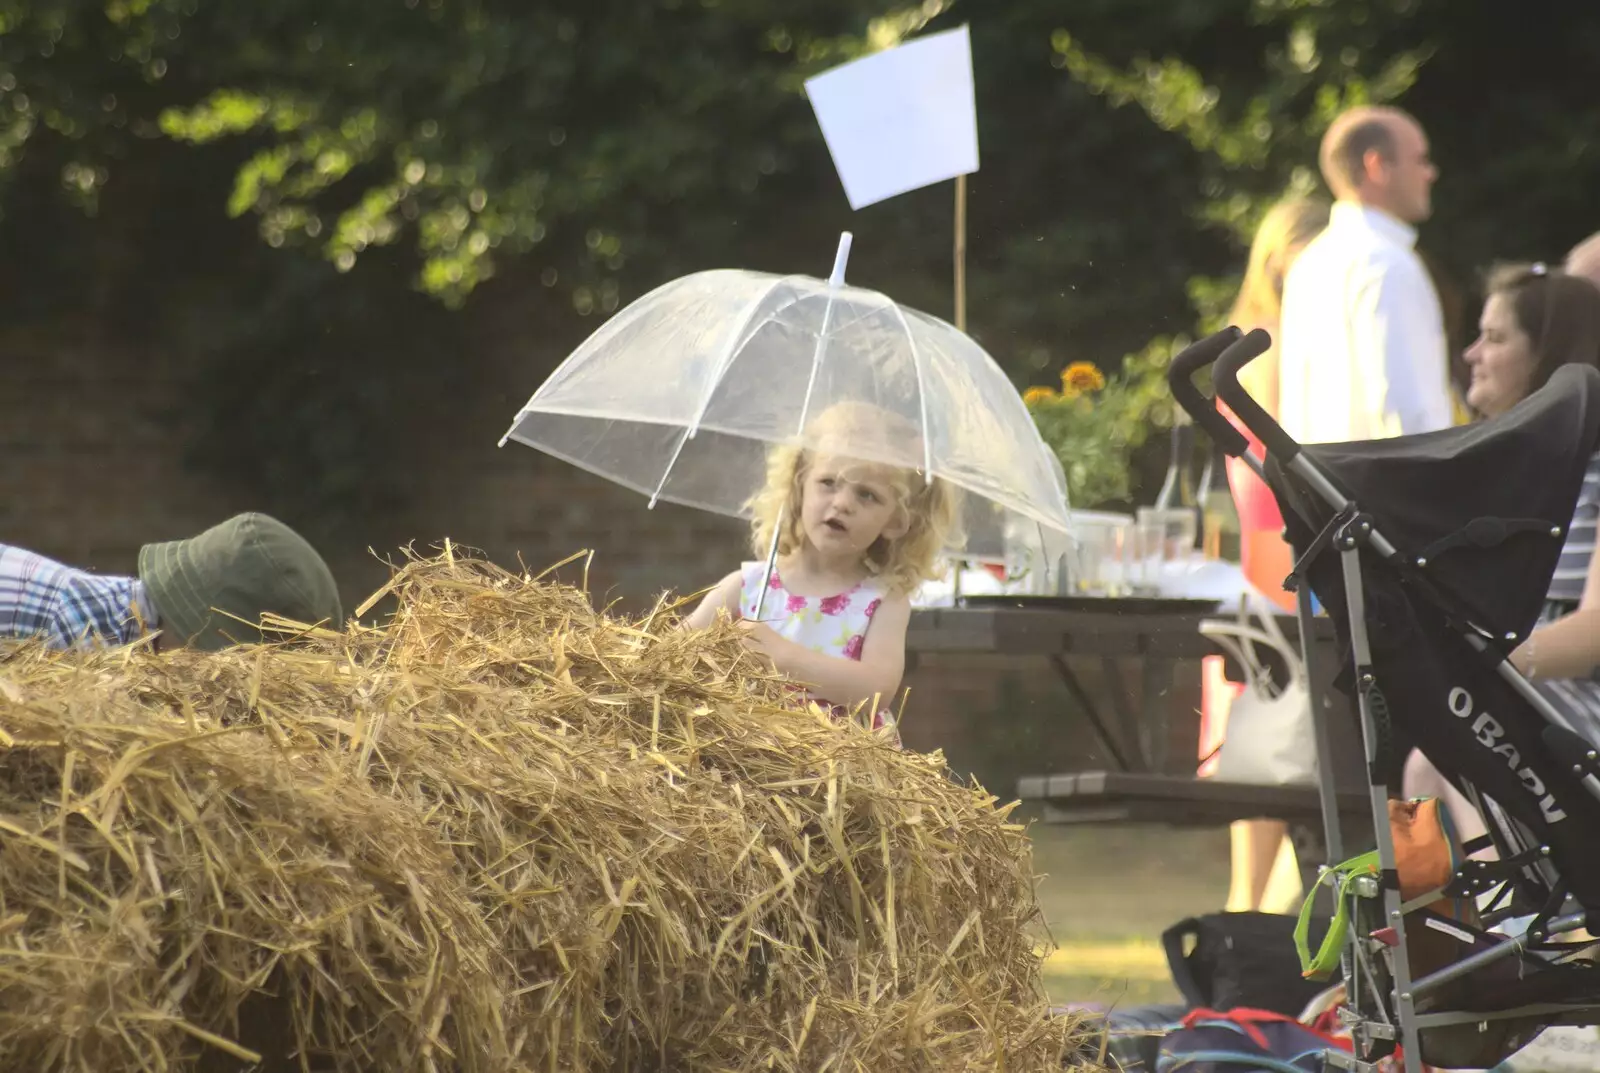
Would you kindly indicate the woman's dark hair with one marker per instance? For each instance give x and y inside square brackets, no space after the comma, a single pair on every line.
[1560,315]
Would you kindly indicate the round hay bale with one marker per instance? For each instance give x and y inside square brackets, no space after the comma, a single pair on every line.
[501,832]
[175,889]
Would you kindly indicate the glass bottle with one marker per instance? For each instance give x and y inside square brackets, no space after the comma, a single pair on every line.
[1219,518]
[1177,489]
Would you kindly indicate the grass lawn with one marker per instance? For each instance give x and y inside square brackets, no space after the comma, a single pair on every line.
[1108,891]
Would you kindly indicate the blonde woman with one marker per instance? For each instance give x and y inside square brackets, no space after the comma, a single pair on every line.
[1283,233]
[1264,876]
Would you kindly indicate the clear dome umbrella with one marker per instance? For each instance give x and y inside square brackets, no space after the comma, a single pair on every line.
[681,395]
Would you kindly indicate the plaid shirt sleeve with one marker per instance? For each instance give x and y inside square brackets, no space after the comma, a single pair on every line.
[65,607]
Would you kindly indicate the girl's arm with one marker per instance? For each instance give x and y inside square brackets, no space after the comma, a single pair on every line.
[841,681]
[1570,646]
[725,597]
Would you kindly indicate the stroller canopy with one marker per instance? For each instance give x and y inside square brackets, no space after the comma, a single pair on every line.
[1486,505]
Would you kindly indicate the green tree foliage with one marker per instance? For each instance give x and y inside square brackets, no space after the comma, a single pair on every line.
[1252,86]
[579,132]
[584,143]
[602,146]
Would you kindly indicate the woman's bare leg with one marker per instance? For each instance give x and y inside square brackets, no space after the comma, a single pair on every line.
[1255,845]
[1285,889]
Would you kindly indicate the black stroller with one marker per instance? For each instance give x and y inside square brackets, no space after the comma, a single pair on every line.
[1433,554]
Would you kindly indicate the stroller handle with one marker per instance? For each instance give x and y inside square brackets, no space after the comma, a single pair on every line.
[1180,377]
[1279,443]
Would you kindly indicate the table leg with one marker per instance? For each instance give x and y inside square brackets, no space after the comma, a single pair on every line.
[1122,702]
[1155,716]
[1101,730]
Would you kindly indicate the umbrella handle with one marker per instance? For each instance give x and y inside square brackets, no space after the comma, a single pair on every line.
[772,562]
[836,279]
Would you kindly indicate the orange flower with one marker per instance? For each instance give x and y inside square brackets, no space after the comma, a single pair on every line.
[1038,394]
[1081,376]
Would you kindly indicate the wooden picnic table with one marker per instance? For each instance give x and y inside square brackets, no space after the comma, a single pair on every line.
[1118,635]
[1153,642]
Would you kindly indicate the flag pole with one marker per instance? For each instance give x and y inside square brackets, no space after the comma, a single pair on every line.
[959,256]
[960,252]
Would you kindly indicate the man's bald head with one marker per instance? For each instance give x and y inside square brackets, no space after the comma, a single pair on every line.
[1584,260]
[1379,157]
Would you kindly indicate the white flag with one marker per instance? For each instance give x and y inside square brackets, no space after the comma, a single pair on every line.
[900,119]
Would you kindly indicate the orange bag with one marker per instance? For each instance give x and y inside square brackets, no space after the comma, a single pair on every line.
[1427,853]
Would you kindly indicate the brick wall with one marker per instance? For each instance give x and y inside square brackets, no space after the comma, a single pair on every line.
[95,468]
[516,502]
[92,467]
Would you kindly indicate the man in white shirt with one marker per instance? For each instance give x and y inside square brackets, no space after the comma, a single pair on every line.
[1362,341]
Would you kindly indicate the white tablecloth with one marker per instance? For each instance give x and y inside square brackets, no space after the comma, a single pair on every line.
[1203,580]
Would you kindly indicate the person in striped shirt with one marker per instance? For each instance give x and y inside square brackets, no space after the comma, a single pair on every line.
[207,591]
[1535,319]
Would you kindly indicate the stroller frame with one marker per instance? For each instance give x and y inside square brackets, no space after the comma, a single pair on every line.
[1381,1008]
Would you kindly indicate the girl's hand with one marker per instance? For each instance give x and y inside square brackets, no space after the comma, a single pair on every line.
[874,677]
[760,639]
[757,635]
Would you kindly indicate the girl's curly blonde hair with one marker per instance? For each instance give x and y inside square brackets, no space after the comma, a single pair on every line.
[930,507]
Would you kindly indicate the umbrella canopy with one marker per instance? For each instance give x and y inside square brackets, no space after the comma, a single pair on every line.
[681,395]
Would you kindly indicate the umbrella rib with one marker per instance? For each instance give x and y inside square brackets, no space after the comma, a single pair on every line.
[778,310]
[723,364]
[798,297]
[922,391]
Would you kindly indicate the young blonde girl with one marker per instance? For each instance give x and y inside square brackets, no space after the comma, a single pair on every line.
[855,537]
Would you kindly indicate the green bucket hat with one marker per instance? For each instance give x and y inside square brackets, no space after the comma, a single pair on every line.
[203,586]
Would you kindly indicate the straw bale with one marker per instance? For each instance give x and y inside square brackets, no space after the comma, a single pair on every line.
[161,875]
[503,831]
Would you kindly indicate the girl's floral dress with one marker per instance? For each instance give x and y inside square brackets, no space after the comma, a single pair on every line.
[833,625]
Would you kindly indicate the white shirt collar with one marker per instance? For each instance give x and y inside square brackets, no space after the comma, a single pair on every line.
[1353,214]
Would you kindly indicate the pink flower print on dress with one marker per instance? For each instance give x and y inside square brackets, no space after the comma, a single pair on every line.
[835,605]
[872,608]
[852,647]
[795,604]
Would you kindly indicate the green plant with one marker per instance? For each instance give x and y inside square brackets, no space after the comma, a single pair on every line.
[1095,424]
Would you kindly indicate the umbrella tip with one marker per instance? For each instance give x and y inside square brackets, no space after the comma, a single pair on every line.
[840,258]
